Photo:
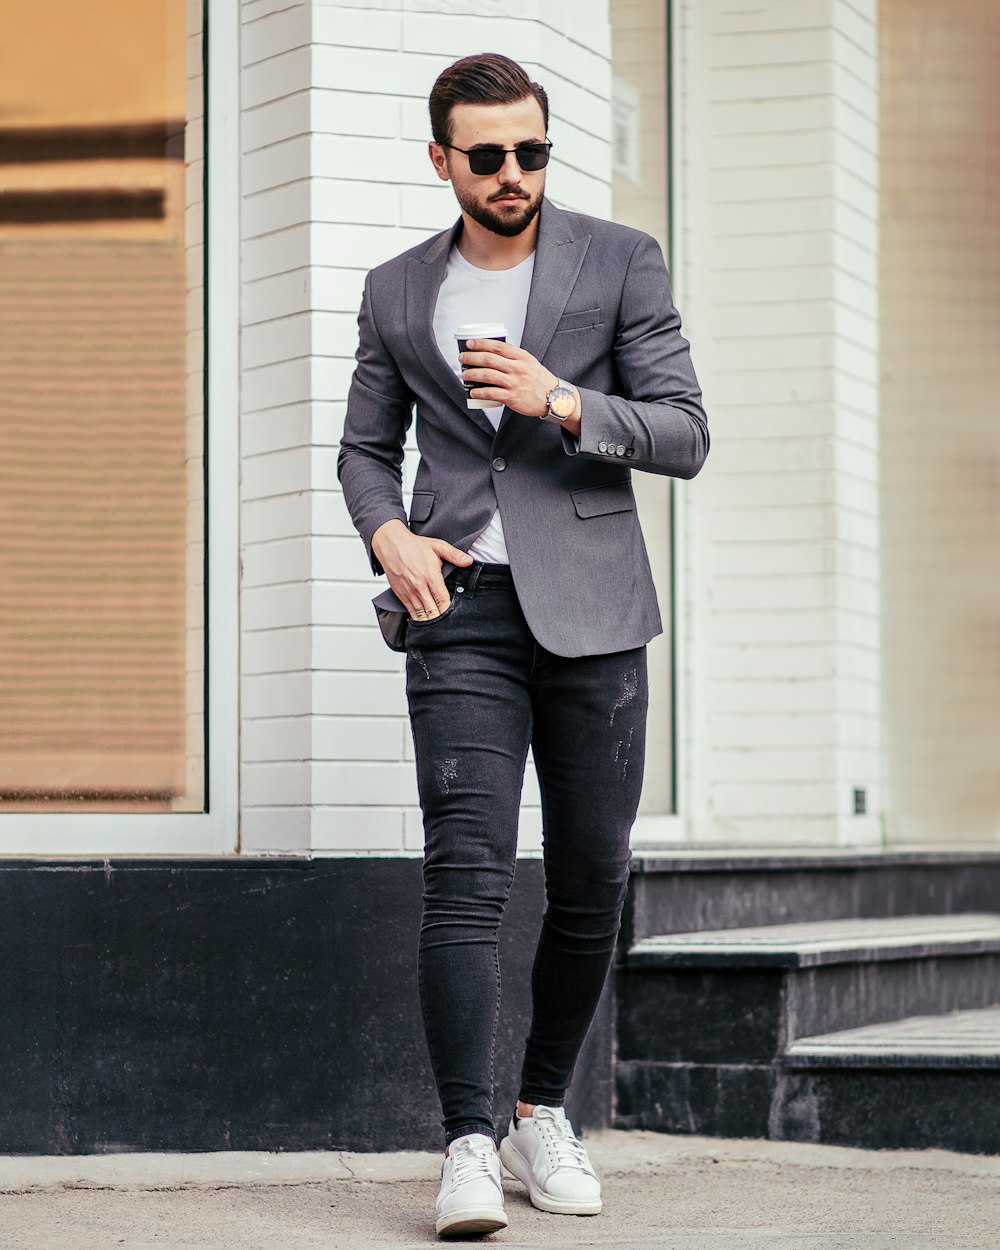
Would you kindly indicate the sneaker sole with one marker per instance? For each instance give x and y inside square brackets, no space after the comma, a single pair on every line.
[471,1220]
[518,1166]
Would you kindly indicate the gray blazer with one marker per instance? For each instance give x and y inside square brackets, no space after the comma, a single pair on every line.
[599,315]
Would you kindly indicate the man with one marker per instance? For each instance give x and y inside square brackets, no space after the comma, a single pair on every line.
[520,589]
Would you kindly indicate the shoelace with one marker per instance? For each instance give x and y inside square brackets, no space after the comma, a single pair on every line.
[562,1144]
[471,1161]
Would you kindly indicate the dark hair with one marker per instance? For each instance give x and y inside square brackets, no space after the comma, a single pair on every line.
[486,78]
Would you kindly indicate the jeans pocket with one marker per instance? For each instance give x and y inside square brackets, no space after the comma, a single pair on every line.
[418,625]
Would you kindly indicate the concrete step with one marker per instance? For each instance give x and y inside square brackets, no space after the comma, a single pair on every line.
[956,1039]
[711,889]
[920,1082]
[812,943]
[744,995]
[749,1032]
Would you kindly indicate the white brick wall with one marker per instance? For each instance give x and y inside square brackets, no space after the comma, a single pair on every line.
[336,179]
[778,267]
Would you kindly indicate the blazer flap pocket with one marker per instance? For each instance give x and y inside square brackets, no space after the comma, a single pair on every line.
[420,507]
[579,320]
[599,500]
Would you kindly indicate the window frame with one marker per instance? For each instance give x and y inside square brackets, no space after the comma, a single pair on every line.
[214,831]
[663,830]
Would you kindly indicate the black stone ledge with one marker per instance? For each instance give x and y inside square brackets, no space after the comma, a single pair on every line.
[890,1108]
[686,889]
[889,1059]
[639,958]
[876,1109]
[710,1099]
[177,863]
[649,861]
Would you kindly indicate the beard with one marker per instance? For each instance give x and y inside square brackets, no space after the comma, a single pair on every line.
[505,221]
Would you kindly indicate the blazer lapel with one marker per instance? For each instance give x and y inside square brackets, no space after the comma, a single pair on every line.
[559,257]
[424,276]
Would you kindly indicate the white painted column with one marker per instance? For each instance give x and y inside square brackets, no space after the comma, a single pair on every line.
[277,545]
[777,257]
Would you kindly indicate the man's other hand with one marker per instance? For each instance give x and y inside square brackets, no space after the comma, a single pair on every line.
[412,564]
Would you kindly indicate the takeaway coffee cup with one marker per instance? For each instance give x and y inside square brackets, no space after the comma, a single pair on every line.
[479,330]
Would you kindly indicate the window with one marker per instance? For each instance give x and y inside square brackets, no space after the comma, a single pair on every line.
[103,507]
[939,287]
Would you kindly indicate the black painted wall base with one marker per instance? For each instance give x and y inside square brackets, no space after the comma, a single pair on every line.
[236,1005]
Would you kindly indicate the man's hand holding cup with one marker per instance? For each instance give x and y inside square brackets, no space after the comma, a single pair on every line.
[495,372]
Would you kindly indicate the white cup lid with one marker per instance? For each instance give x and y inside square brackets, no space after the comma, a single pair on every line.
[481,330]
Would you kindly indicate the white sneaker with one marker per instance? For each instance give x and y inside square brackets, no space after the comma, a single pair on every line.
[543,1152]
[471,1197]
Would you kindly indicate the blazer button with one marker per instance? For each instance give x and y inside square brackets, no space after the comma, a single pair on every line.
[499,464]
[620,449]
[602,447]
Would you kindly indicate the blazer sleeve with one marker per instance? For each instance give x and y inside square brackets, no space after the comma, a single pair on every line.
[379,412]
[659,417]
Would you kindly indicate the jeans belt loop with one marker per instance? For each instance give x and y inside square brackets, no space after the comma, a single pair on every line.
[471,577]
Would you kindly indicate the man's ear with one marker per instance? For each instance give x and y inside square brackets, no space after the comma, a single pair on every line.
[439,160]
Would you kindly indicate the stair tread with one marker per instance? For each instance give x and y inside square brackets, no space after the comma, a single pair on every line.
[806,943]
[968,1038]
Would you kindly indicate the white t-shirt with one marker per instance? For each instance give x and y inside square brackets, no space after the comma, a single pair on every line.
[472,294]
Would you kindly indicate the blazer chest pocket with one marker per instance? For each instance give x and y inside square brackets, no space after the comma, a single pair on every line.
[588,319]
[600,500]
[421,504]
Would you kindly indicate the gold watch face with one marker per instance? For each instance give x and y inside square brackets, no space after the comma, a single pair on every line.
[561,402]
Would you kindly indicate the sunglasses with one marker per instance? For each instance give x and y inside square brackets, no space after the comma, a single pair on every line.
[489,158]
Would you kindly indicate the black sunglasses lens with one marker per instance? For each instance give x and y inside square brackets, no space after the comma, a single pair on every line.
[532,156]
[486,160]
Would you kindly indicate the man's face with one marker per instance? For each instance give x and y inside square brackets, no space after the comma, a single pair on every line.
[505,202]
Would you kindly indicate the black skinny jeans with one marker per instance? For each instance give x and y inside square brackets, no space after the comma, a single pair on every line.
[480,689]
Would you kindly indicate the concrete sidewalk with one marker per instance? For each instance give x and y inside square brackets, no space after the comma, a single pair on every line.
[661,1193]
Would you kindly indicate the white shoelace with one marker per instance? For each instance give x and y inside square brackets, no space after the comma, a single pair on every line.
[562,1144]
[471,1160]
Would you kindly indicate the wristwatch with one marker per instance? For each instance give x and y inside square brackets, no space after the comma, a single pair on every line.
[561,403]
